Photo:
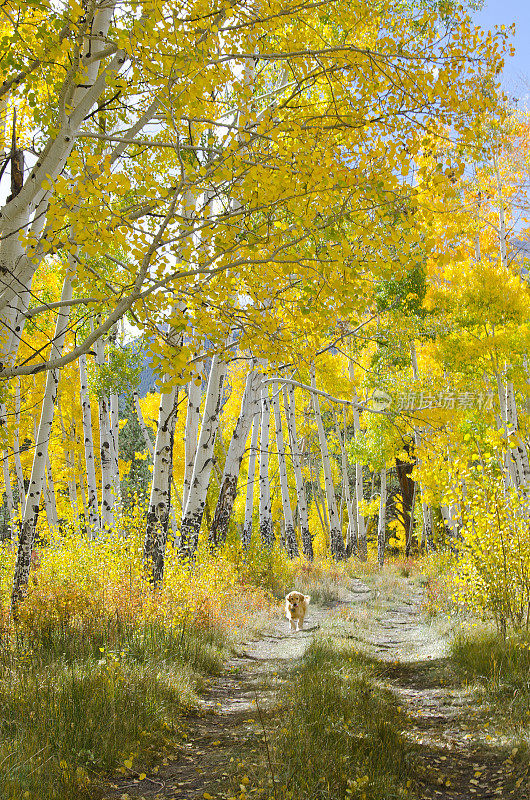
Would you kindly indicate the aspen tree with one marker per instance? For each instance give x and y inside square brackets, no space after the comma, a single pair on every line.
[194,509]
[251,480]
[106,451]
[269,135]
[50,501]
[290,537]
[160,497]
[338,549]
[31,508]
[290,415]
[517,455]
[381,526]
[10,506]
[234,457]
[427,535]
[362,547]
[93,518]
[191,429]
[265,515]
[16,451]
[351,534]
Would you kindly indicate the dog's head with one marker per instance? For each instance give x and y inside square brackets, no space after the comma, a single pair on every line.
[296,599]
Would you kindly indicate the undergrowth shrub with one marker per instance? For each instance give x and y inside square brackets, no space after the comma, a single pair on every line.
[437,571]
[99,668]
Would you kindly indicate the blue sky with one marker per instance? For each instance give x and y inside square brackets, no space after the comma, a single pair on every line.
[516,78]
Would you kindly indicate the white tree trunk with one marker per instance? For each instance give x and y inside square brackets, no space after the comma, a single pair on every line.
[191,432]
[69,435]
[204,459]
[265,510]
[234,457]
[338,549]
[106,452]
[72,488]
[427,528]
[31,508]
[7,477]
[362,545]
[160,497]
[290,536]
[351,538]
[33,197]
[381,528]
[16,452]
[303,516]
[251,480]
[115,439]
[93,520]
[50,501]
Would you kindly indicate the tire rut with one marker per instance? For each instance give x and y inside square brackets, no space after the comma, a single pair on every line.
[456,753]
[226,725]
[456,756]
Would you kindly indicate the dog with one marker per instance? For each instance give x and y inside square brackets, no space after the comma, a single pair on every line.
[296,608]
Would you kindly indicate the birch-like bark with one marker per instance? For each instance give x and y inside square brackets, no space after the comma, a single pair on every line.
[160,497]
[32,196]
[10,506]
[362,545]
[115,439]
[234,457]
[290,416]
[50,501]
[204,459]
[93,520]
[16,452]
[351,538]
[265,510]
[80,481]
[31,508]
[381,528]
[106,452]
[251,480]
[147,438]
[290,537]
[191,432]
[338,550]
[427,530]
[72,488]
[69,435]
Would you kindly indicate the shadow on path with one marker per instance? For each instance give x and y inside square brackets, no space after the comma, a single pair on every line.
[455,757]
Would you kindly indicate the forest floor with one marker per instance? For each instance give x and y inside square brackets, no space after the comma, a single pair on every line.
[459,748]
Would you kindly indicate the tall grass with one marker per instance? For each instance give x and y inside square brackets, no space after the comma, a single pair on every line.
[501,667]
[98,671]
[335,735]
[74,707]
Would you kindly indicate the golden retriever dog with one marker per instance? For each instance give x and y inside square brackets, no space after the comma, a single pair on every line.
[296,608]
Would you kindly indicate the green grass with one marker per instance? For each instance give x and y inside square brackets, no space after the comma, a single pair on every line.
[74,706]
[501,667]
[335,735]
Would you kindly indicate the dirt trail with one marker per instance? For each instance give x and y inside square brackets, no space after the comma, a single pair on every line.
[455,756]
[458,754]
